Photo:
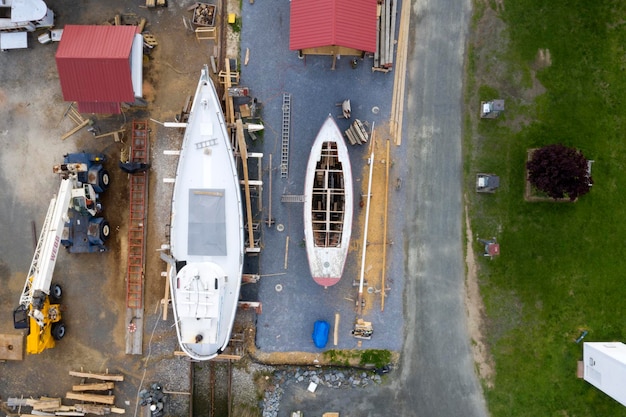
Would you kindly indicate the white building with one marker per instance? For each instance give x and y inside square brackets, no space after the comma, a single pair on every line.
[605,368]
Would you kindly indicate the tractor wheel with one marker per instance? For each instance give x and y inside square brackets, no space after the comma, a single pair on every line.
[56,292]
[105,230]
[104,179]
[58,330]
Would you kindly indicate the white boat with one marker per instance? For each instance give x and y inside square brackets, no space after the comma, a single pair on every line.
[328,205]
[206,232]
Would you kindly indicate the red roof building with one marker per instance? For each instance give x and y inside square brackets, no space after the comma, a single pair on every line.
[333,27]
[96,66]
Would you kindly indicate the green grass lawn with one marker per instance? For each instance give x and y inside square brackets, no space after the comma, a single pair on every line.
[562,266]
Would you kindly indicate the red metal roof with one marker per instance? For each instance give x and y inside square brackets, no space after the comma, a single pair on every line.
[94,63]
[101,107]
[318,23]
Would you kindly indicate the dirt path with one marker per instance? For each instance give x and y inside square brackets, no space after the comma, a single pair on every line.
[476,310]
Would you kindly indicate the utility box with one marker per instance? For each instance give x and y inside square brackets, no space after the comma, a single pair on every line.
[491,109]
[487,183]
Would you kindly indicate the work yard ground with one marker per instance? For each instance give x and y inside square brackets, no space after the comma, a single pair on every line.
[560,264]
[94,287]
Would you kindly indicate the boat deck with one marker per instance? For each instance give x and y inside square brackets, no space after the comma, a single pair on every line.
[206,237]
[328,198]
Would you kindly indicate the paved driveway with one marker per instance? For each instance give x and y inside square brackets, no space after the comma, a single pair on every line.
[436,377]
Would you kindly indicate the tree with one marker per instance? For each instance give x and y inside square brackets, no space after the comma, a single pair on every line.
[559,171]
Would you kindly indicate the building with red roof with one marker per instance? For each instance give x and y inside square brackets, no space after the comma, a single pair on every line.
[100,67]
[333,27]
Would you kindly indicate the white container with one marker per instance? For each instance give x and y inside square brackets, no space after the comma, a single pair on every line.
[13,40]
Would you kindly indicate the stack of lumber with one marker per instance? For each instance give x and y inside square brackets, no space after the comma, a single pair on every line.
[356,133]
[81,392]
[98,404]
[45,404]
[386,14]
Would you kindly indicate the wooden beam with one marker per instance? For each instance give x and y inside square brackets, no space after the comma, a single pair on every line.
[244,161]
[225,357]
[94,386]
[76,129]
[230,112]
[385,214]
[97,409]
[92,398]
[102,377]
[166,297]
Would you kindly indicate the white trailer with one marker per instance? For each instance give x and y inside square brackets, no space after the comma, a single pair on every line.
[17,17]
[24,15]
[605,368]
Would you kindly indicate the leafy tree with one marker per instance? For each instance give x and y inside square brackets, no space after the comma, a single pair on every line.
[559,172]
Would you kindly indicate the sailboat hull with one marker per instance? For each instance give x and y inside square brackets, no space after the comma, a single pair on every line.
[206,232]
[328,206]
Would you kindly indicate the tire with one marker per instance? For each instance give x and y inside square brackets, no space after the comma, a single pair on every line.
[56,292]
[104,179]
[58,330]
[105,230]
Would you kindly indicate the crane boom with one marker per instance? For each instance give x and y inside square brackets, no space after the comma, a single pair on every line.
[42,267]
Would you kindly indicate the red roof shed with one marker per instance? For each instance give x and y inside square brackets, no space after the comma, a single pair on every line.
[94,64]
[349,24]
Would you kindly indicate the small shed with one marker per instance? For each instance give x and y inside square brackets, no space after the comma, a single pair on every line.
[605,368]
[333,27]
[100,67]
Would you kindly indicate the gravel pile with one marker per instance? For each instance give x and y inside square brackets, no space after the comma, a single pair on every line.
[331,378]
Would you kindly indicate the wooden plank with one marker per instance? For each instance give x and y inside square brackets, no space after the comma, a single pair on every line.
[76,129]
[11,347]
[95,386]
[244,162]
[580,369]
[92,398]
[96,409]
[46,404]
[350,137]
[101,377]
[165,302]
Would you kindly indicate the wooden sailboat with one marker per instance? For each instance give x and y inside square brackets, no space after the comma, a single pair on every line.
[328,206]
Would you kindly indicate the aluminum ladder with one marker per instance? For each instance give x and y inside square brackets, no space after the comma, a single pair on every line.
[284,157]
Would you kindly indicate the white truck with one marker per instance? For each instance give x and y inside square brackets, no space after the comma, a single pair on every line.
[18,17]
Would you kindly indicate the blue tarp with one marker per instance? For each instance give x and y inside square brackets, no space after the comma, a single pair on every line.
[320,333]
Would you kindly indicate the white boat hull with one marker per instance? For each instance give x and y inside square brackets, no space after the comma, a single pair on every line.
[328,206]
[206,232]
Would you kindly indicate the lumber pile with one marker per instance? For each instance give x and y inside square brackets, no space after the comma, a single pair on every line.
[81,392]
[386,14]
[96,397]
[356,133]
